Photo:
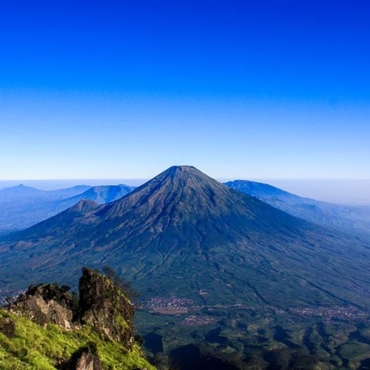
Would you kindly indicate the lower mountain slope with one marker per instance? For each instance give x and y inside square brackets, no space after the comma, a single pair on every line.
[185,234]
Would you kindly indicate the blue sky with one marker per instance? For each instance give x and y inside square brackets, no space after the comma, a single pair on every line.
[239,89]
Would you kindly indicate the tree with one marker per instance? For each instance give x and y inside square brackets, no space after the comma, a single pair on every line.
[123,284]
[9,300]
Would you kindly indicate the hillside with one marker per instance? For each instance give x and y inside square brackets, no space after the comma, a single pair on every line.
[48,328]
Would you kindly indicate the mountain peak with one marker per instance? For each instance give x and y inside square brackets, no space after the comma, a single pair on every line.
[84,205]
[21,187]
[256,189]
[180,170]
[183,231]
[184,185]
[21,190]
[186,168]
[179,193]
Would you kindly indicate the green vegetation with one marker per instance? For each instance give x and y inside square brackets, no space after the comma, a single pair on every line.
[183,233]
[255,268]
[121,283]
[263,339]
[48,328]
[44,348]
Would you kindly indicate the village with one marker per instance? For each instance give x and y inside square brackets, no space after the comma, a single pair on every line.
[183,306]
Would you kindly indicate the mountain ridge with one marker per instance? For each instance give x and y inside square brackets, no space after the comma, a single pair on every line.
[183,233]
[350,218]
[20,208]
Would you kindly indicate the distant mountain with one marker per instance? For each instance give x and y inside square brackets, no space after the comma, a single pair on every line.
[22,206]
[351,218]
[103,194]
[185,234]
[19,191]
[22,192]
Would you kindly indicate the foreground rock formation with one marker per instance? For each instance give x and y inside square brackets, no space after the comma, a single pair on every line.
[48,327]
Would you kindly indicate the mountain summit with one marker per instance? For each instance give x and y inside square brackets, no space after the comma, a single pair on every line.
[185,234]
[182,190]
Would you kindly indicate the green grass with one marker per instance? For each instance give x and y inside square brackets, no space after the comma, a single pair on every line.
[42,348]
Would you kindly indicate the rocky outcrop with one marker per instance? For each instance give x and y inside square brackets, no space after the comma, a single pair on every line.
[7,327]
[83,359]
[101,305]
[104,307]
[88,361]
[48,303]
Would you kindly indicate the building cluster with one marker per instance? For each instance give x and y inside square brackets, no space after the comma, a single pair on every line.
[197,321]
[168,302]
[344,313]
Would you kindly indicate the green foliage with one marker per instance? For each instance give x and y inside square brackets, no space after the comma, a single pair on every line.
[36,347]
[123,284]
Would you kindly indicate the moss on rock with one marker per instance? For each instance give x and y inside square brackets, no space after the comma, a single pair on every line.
[102,336]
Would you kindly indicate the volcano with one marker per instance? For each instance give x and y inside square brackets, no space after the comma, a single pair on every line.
[185,234]
[344,217]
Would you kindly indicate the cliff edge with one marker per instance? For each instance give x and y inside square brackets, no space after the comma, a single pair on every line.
[48,327]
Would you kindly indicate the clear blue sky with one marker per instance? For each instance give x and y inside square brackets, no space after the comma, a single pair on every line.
[239,89]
